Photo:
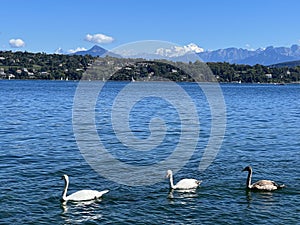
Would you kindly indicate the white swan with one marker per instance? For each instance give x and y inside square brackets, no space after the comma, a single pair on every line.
[184,183]
[83,195]
[262,185]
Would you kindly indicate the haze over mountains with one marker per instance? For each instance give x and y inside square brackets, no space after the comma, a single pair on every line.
[268,56]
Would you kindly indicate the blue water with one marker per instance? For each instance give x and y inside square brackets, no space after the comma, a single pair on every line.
[38,146]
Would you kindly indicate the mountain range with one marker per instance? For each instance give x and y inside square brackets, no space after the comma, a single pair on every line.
[97,51]
[268,56]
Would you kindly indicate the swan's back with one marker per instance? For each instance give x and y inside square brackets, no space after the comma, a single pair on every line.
[85,195]
[187,184]
[266,185]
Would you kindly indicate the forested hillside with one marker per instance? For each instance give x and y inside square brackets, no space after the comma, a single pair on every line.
[25,65]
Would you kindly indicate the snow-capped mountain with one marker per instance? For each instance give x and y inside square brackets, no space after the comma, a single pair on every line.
[191,52]
[176,51]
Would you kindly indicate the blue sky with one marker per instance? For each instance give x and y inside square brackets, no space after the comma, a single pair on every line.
[46,25]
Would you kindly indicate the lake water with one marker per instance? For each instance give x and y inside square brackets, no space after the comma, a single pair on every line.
[38,146]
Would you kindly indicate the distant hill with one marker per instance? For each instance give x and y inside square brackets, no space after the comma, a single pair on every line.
[94,51]
[97,51]
[289,64]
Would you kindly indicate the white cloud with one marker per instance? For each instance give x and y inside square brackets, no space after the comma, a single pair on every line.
[176,51]
[99,38]
[16,43]
[77,50]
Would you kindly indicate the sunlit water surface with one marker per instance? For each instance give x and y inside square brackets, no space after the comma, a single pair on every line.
[38,146]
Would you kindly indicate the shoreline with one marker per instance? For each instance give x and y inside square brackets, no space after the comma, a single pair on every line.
[156,81]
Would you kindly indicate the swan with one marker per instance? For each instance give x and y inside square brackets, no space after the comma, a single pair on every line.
[262,185]
[83,195]
[184,183]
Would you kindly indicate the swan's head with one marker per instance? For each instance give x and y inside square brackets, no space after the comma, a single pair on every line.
[169,174]
[65,177]
[247,168]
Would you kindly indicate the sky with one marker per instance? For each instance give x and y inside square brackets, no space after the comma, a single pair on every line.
[68,25]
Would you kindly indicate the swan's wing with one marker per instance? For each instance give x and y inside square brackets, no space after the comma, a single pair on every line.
[187,184]
[85,195]
[266,185]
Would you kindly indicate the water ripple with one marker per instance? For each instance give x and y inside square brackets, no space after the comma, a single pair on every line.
[38,146]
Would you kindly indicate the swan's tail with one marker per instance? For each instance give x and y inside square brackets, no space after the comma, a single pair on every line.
[103,192]
[199,182]
[280,186]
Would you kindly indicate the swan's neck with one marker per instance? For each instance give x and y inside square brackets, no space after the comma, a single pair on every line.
[249,179]
[64,194]
[171,181]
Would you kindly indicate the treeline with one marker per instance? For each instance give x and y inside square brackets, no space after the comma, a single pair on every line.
[25,65]
[121,69]
[226,72]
